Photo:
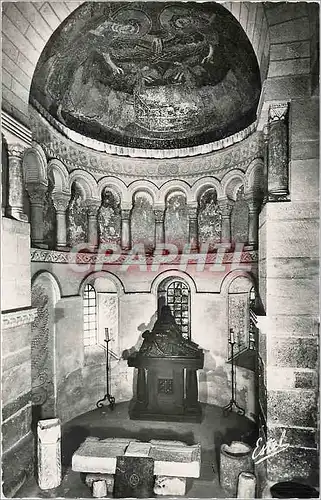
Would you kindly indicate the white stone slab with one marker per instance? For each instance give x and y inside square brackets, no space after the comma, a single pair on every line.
[136,449]
[174,486]
[49,453]
[177,469]
[96,455]
[164,442]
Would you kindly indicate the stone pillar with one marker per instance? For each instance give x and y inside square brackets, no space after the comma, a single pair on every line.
[16,183]
[234,459]
[92,211]
[193,229]
[254,207]
[159,226]
[246,485]
[226,206]
[125,229]
[60,201]
[278,154]
[37,194]
[49,453]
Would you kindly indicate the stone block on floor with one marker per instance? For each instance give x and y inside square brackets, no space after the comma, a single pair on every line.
[165,485]
[95,455]
[177,461]
[137,449]
[108,478]
[234,459]
[99,489]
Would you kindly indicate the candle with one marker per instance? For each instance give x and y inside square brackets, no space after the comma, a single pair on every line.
[232,339]
[106,334]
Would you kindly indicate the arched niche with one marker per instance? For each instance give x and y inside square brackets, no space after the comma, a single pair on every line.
[109,217]
[209,219]
[240,217]
[239,300]
[142,221]
[176,221]
[45,293]
[76,216]
[107,293]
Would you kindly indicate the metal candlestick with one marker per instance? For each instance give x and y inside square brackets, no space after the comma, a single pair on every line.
[229,407]
[107,396]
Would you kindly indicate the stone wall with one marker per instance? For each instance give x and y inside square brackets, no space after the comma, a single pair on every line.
[17,315]
[288,266]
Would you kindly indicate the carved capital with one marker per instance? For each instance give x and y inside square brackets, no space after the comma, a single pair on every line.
[278,112]
[60,201]
[16,151]
[225,206]
[36,193]
[159,215]
[92,207]
[125,214]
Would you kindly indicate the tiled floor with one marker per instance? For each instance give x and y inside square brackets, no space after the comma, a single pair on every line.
[214,430]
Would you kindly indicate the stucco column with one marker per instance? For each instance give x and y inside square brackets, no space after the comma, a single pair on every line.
[226,206]
[125,229]
[193,229]
[159,225]
[61,201]
[278,156]
[254,206]
[16,184]
[92,210]
[37,194]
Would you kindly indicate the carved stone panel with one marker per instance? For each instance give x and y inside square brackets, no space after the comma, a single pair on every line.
[176,220]
[143,222]
[76,218]
[42,352]
[240,218]
[209,219]
[109,219]
[238,320]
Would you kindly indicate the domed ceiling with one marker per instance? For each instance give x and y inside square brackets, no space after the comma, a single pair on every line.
[149,75]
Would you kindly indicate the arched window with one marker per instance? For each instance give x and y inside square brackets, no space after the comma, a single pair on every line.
[90,315]
[176,294]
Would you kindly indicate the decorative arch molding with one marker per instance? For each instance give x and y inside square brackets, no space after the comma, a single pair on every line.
[233,275]
[34,164]
[52,279]
[90,279]
[171,186]
[172,273]
[203,184]
[254,176]
[60,176]
[114,184]
[87,183]
[143,185]
[231,182]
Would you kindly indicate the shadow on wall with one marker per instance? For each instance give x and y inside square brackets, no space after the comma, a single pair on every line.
[141,328]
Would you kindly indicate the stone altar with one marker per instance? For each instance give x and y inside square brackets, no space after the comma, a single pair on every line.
[167,386]
[174,461]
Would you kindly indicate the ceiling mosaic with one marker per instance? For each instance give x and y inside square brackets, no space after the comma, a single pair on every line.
[149,75]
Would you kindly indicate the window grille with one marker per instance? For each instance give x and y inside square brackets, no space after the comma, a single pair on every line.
[178,299]
[90,316]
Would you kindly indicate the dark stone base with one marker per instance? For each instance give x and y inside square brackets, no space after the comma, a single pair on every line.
[17,465]
[138,412]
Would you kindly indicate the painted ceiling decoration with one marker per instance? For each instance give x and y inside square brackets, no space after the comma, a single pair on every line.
[149,75]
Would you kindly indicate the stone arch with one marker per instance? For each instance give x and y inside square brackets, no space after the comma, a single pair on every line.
[254,177]
[60,176]
[91,277]
[204,183]
[35,165]
[233,275]
[172,273]
[231,183]
[45,293]
[171,186]
[117,186]
[143,185]
[86,181]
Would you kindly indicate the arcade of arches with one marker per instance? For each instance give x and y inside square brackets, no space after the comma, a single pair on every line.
[164,154]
